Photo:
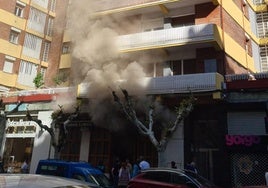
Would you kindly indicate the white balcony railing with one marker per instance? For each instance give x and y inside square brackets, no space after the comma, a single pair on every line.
[165,37]
[173,84]
[184,83]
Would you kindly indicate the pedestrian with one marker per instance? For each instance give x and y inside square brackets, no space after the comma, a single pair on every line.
[136,168]
[25,166]
[115,173]
[173,164]
[191,166]
[129,165]
[123,176]
[143,163]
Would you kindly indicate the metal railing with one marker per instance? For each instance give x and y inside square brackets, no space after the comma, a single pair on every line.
[187,34]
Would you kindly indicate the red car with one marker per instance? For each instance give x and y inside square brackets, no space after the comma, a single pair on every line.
[167,177]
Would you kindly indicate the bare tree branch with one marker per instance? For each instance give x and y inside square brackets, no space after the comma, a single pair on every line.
[186,106]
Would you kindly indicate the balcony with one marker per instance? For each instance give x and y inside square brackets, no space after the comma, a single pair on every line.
[202,82]
[107,6]
[169,37]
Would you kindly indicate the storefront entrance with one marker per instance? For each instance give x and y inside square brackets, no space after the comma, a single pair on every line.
[17,150]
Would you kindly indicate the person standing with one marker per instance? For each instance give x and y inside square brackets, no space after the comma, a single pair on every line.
[25,166]
[136,168]
[144,164]
[123,176]
[115,172]
[173,164]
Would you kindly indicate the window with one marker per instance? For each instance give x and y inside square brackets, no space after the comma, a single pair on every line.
[50,26]
[32,46]
[43,71]
[66,48]
[42,3]
[14,35]
[46,51]
[210,65]
[53,5]
[8,64]
[27,73]
[179,67]
[37,20]
[19,9]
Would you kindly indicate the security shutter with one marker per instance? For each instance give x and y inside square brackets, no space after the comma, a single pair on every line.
[246,123]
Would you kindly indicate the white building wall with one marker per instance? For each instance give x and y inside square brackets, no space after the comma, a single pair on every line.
[84,146]
[41,148]
[175,148]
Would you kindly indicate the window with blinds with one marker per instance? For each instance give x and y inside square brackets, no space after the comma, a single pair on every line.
[262,24]
[50,24]
[37,20]
[46,51]
[27,73]
[32,46]
[264,58]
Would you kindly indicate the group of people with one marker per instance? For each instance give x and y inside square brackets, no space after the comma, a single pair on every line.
[123,171]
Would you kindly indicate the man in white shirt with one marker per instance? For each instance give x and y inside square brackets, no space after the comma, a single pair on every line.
[144,164]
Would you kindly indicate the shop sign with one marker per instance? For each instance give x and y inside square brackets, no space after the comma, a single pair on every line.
[242,140]
[20,128]
[248,142]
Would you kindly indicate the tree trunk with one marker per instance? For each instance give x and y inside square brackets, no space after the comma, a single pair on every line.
[161,159]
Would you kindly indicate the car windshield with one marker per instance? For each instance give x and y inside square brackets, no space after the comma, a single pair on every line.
[200,179]
[101,180]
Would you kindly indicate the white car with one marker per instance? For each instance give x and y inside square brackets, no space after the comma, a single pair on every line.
[39,181]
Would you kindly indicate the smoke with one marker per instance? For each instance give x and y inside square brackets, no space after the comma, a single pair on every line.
[97,61]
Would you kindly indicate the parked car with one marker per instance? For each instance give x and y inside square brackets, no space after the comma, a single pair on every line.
[76,170]
[167,177]
[39,181]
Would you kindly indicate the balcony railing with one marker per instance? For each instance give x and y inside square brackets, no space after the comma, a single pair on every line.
[203,82]
[166,37]
[184,83]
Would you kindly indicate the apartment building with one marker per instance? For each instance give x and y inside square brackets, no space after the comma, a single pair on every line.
[31,42]
[194,46]
[185,47]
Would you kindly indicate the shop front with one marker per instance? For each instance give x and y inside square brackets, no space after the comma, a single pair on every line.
[18,147]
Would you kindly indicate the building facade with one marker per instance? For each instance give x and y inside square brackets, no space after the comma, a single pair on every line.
[184,46]
[31,42]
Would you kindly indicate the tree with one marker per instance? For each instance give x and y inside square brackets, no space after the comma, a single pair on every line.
[60,121]
[186,106]
[38,80]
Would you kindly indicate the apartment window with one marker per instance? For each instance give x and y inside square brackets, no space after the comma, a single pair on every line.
[42,3]
[46,51]
[53,5]
[43,71]
[27,73]
[19,8]
[8,64]
[262,24]
[179,67]
[14,36]
[258,2]
[50,26]
[210,65]
[37,20]
[264,58]
[66,48]
[32,46]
